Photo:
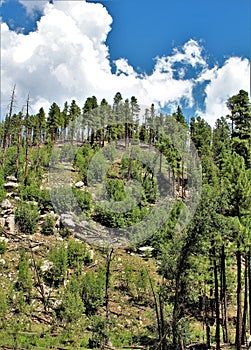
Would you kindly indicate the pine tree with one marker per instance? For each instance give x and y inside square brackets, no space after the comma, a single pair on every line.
[54,121]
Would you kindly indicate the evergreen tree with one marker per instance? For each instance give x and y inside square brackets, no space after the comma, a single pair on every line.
[54,121]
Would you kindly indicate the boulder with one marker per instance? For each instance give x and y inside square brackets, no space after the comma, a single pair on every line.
[146,251]
[79,184]
[11,185]
[6,204]
[67,221]
[11,178]
[2,222]
[10,221]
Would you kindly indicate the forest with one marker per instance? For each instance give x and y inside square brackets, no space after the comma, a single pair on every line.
[184,283]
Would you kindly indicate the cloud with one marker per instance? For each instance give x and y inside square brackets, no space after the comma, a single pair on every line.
[67,58]
[34,6]
[225,82]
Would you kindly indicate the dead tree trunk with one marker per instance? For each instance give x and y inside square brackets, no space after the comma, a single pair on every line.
[109,257]
[26,141]
[7,127]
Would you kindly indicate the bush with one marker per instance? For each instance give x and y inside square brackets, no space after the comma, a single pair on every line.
[99,332]
[84,199]
[3,247]
[72,306]
[27,216]
[93,291]
[33,192]
[30,192]
[77,254]
[64,232]
[63,199]
[48,225]
[58,271]
[24,280]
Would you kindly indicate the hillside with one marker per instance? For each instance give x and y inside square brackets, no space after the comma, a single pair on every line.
[120,234]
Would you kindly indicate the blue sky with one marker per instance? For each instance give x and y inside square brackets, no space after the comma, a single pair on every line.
[197,50]
[152,28]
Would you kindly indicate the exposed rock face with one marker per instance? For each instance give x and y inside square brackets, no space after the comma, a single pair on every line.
[10,221]
[11,183]
[7,219]
[2,222]
[67,221]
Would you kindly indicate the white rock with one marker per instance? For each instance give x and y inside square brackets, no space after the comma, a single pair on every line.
[6,204]
[2,262]
[2,222]
[11,185]
[11,223]
[146,251]
[79,184]
[46,265]
[11,178]
[91,252]
[4,239]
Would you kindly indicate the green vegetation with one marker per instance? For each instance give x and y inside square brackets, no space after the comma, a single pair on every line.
[191,286]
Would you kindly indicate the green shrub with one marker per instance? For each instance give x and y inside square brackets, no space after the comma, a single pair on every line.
[24,280]
[77,254]
[99,332]
[48,225]
[72,306]
[64,232]
[3,247]
[63,199]
[27,216]
[58,271]
[92,294]
[84,199]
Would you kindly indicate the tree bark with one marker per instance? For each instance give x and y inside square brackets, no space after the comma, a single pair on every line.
[216,295]
[26,141]
[249,287]
[18,142]
[107,292]
[7,127]
[239,299]
[224,296]
[245,306]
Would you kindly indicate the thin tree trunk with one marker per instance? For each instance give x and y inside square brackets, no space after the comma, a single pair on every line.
[245,306]
[18,142]
[176,315]
[224,296]
[156,308]
[249,287]
[216,295]
[107,292]
[239,300]
[163,337]
[182,178]
[37,277]
[27,141]
[7,127]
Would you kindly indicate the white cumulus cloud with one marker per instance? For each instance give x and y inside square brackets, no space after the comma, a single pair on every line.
[33,6]
[225,82]
[67,58]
